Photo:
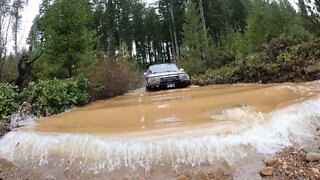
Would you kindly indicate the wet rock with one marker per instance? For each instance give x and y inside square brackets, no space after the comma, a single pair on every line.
[300,171]
[294,153]
[284,166]
[309,149]
[287,172]
[312,157]
[290,159]
[50,178]
[182,177]
[267,171]
[315,170]
[270,161]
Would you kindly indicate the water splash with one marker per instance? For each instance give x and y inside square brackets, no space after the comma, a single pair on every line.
[279,130]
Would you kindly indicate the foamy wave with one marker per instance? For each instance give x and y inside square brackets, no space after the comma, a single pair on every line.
[92,152]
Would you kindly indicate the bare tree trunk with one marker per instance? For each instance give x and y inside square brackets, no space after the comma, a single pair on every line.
[203,20]
[173,51]
[175,38]
[15,25]
[17,6]
[25,70]
[3,44]
[168,59]
[176,44]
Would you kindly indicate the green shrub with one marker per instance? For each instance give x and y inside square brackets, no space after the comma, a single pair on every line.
[9,99]
[282,59]
[193,67]
[55,96]
[216,76]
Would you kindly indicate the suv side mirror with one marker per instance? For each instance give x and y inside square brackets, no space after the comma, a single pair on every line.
[144,73]
[182,70]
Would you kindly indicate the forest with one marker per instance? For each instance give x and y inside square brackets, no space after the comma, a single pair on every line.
[107,44]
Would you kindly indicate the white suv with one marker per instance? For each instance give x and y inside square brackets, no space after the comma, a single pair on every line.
[166,76]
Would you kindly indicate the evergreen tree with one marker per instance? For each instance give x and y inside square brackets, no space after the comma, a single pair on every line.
[4,19]
[269,20]
[17,6]
[172,12]
[67,34]
[9,17]
[195,40]
[310,14]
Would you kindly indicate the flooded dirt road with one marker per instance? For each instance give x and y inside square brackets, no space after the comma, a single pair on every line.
[168,131]
[176,109]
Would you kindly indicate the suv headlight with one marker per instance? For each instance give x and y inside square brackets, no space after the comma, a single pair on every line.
[153,80]
[184,77]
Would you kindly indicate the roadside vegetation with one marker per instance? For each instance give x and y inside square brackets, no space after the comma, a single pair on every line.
[87,50]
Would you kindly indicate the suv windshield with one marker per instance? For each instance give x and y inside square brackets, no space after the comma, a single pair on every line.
[161,68]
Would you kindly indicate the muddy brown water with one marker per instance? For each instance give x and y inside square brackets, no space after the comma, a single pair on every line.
[168,132]
[166,112]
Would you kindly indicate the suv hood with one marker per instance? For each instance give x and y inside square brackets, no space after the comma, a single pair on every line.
[163,74]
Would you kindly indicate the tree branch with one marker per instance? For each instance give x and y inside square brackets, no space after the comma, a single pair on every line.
[36,58]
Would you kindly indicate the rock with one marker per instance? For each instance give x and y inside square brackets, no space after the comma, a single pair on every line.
[287,172]
[182,177]
[301,171]
[270,161]
[315,170]
[309,149]
[312,157]
[284,166]
[294,153]
[267,171]
[50,178]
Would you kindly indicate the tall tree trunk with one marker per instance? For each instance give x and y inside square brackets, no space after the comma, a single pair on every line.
[17,5]
[203,20]
[168,59]
[70,71]
[302,8]
[176,45]
[173,51]
[15,29]
[1,68]
[149,53]
[175,38]
[3,44]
